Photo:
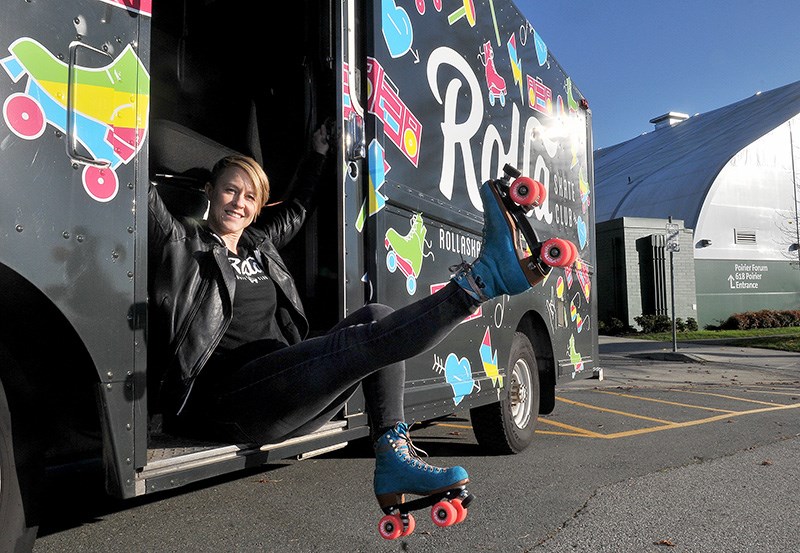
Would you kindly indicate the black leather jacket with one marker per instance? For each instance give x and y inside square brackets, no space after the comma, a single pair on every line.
[192,285]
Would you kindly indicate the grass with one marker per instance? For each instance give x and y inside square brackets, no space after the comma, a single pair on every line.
[786,339]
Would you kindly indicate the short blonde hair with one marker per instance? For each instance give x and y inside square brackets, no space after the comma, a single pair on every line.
[254,171]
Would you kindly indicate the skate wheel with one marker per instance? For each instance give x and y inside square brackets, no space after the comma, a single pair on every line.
[444,514]
[101,183]
[525,191]
[391,527]
[461,511]
[411,525]
[25,116]
[557,252]
[574,249]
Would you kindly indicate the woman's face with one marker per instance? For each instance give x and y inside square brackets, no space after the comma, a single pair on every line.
[232,202]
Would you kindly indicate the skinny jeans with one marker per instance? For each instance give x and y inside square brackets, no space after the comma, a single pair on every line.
[260,395]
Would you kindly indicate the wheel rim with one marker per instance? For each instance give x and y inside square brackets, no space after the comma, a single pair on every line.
[519,392]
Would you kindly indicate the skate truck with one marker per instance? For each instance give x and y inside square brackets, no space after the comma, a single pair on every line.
[426,101]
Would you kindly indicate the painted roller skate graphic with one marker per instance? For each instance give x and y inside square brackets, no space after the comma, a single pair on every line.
[407,252]
[575,358]
[495,83]
[109,108]
[437,4]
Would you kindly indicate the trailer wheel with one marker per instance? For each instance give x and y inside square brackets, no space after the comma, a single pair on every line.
[507,426]
[17,523]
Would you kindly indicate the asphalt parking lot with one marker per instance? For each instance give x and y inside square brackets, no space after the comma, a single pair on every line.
[690,451]
[742,501]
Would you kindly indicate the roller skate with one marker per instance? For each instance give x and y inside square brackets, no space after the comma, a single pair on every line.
[512,257]
[399,470]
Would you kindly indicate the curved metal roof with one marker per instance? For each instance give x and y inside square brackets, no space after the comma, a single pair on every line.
[668,172]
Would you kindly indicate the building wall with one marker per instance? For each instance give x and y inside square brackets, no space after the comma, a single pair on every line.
[750,218]
[631,281]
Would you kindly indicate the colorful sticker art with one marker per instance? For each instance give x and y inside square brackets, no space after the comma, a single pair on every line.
[401,127]
[108,112]
[494,82]
[376,201]
[398,33]
[458,374]
[489,360]
[406,252]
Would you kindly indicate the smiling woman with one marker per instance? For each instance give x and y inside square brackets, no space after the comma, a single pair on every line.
[236,192]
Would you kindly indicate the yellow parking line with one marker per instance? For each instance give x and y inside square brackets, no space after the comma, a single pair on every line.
[581,432]
[605,410]
[575,431]
[451,425]
[776,392]
[697,422]
[666,402]
[734,398]
[572,434]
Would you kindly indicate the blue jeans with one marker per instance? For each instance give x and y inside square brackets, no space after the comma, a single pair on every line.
[261,395]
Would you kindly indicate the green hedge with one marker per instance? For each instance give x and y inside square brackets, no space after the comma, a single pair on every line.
[765,318]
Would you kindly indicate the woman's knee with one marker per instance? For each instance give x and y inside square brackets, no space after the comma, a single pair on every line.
[369,313]
[378,310]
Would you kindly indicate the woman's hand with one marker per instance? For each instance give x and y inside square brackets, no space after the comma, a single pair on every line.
[319,140]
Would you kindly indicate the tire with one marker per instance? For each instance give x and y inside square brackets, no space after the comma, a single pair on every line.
[508,426]
[18,523]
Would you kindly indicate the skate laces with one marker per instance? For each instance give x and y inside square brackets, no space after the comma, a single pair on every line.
[411,453]
[471,283]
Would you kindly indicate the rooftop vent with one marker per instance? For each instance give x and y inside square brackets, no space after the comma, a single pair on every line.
[669,119]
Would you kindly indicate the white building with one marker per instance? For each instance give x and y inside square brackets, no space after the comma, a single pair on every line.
[731,178]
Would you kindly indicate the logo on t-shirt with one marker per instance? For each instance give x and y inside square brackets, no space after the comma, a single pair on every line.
[247,269]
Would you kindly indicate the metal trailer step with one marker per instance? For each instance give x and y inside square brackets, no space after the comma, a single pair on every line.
[174,461]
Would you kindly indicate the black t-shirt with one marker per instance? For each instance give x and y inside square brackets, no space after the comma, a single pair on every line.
[254,305]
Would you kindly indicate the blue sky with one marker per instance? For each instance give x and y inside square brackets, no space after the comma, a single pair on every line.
[636,59]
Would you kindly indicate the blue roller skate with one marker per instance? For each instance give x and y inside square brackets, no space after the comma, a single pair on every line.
[400,470]
[512,257]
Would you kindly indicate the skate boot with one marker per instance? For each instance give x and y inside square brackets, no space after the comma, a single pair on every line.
[512,257]
[400,470]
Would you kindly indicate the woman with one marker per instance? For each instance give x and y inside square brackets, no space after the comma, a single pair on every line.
[230,321]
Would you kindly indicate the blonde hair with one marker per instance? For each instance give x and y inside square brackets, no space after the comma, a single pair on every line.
[254,171]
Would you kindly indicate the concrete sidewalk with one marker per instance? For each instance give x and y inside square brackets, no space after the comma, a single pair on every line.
[707,351]
[632,362]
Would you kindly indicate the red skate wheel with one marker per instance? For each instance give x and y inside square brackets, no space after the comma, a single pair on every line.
[391,527]
[556,252]
[542,192]
[411,525]
[574,257]
[461,511]
[525,191]
[444,514]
